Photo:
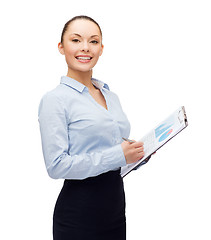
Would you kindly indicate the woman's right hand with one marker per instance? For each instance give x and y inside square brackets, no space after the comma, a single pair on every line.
[133,151]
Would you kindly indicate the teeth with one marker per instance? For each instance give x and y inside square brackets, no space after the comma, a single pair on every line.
[84,58]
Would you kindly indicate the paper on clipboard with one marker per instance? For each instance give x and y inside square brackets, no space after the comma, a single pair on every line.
[159,136]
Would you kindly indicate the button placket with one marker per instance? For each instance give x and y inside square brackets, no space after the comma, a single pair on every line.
[116,133]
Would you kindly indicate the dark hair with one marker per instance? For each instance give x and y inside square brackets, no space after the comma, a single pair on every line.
[76,18]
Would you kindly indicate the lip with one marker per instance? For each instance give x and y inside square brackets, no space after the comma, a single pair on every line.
[83,58]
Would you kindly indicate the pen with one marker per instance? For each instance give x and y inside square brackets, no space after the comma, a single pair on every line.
[128,140]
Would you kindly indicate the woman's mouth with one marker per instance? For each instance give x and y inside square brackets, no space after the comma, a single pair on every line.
[84,59]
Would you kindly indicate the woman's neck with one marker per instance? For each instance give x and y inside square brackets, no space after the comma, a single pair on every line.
[82,77]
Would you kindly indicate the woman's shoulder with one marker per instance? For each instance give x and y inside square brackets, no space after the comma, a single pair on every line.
[52,94]
[59,93]
[54,98]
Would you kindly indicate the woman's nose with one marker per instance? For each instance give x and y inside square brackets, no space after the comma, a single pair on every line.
[85,46]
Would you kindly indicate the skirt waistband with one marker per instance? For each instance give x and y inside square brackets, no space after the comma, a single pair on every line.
[107,176]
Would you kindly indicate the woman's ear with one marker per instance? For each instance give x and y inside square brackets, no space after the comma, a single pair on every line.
[61,48]
[102,47]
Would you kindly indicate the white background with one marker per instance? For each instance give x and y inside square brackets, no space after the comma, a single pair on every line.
[157,57]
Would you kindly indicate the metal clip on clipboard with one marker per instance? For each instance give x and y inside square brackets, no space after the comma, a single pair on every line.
[182,116]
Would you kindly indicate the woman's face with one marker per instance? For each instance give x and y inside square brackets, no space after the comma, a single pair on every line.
[82,45]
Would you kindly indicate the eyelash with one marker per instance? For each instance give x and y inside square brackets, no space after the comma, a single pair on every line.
[94,41]
[77,40]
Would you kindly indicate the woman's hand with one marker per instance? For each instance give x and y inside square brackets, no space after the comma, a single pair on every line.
[133,151]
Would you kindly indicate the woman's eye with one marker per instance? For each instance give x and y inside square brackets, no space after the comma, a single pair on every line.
[94,41]
[75,40]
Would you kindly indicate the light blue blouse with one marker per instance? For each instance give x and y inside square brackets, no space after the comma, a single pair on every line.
[80,138]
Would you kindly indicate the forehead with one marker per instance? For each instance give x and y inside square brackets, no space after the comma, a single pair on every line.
[84,27]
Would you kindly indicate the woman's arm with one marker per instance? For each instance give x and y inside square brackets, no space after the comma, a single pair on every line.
[53,119]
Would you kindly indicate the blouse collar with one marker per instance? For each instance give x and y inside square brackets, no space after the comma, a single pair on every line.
[79,86]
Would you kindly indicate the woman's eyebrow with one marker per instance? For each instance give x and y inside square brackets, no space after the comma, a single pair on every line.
[80,35]
[95,36]
[76,34]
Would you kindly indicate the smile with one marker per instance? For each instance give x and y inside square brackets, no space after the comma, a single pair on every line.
[84,58]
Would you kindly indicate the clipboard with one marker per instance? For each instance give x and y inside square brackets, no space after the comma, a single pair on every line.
[158,137]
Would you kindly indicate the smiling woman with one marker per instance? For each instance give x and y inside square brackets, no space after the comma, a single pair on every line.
[81,43]
[82,124]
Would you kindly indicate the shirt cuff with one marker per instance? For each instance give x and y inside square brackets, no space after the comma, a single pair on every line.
[114,157]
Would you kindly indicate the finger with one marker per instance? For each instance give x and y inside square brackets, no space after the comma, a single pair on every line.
[140,154]
[138,144]
[140,149]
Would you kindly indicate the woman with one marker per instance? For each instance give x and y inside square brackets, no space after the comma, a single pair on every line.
[82,125]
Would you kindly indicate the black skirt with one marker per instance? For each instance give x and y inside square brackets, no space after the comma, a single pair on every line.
[91,209]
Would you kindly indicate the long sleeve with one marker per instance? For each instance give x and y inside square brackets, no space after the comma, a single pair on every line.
[56,137]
